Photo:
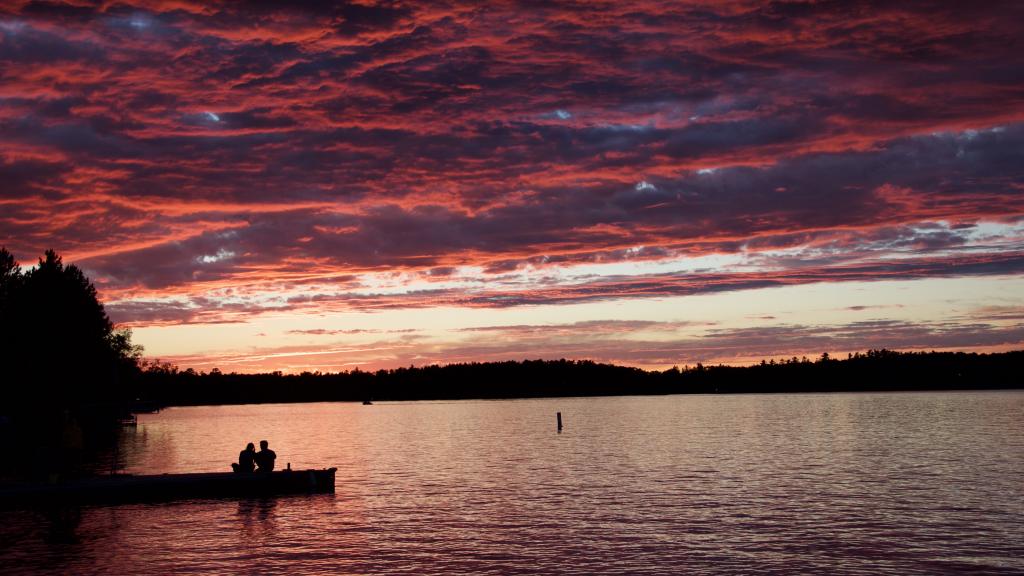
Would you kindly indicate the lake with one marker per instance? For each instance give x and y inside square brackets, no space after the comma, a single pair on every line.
[898,483]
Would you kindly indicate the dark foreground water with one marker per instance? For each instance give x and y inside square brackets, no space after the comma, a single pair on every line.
[914,483]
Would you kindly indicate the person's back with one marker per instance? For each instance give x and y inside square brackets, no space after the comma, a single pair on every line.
[265,457]
[246,459]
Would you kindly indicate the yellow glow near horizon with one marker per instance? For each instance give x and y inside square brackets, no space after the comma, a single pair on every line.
[951,300]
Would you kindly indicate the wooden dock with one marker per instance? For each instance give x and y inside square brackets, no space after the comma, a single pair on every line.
[119,488]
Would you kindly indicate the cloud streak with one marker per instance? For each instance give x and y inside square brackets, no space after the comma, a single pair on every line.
[648,344]
[212,162]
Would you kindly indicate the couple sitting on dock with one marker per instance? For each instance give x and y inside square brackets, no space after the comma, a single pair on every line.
[250,460]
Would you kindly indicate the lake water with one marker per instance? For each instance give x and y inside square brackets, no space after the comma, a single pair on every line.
[899,483]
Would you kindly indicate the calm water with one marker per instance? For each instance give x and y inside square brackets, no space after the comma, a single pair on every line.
[833,483]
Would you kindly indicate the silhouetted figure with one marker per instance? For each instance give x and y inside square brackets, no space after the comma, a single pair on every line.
[265,457]
[246,459]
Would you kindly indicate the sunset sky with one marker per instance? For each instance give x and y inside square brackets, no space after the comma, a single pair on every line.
[319,186]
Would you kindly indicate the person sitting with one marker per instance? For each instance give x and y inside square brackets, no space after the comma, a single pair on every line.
[265,457]
[246,459]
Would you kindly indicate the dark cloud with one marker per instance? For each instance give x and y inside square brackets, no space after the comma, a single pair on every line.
[182,147]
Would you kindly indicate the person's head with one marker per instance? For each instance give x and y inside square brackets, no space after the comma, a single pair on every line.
[250,447]
[264,444]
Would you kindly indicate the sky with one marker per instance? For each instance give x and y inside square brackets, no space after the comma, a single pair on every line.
[323,185]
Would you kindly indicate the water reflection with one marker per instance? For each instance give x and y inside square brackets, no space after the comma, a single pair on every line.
[127,446]
[62,523]
[839,483]
[257,520]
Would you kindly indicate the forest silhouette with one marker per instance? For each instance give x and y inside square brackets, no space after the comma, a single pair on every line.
[875,370]
[68,375]
[63,351]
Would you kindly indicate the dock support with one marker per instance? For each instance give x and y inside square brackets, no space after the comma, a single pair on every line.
[559,416]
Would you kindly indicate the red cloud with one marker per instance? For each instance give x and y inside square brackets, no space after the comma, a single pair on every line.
[180,148]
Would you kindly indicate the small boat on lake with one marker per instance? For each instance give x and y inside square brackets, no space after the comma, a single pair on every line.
[120,488]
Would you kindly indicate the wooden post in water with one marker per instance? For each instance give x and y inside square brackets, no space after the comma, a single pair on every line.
[559,416]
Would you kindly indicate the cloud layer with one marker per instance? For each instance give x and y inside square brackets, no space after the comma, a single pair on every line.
[209,162]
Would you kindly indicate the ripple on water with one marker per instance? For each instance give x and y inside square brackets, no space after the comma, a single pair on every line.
[917,483]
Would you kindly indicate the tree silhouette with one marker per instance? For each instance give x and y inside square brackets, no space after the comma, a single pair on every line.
[10,274]
[876,370]
[61,350]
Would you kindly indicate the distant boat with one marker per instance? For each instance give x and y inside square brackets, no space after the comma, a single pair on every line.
[367,402]
[121,488]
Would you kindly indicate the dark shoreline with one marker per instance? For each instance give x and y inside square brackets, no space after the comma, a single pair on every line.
[875,371]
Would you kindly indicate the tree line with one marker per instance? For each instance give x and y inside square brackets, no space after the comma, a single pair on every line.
[875,370]
[60,349]
[67,375]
